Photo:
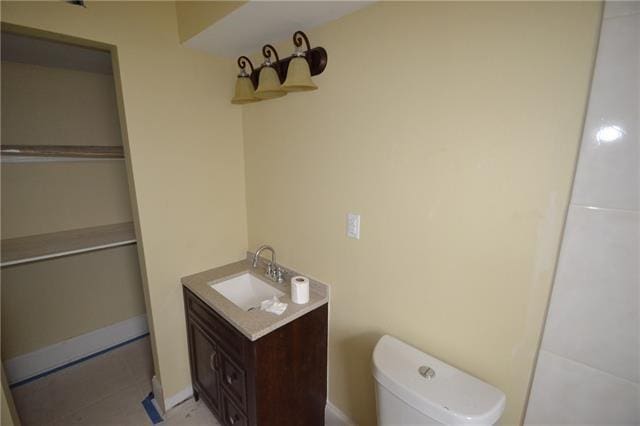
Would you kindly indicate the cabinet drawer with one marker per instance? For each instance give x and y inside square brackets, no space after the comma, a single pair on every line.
[234,381]
[232,415]
[230,339]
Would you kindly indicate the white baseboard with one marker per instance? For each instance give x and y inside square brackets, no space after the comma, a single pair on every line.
[29,365]
[158,395]
[335,417]
[176,399]
[166,404]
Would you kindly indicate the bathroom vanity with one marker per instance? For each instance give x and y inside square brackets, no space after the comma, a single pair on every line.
[253,367]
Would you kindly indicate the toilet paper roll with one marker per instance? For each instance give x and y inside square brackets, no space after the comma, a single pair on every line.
[300,290]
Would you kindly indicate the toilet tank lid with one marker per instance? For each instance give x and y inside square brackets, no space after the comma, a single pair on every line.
[450,396]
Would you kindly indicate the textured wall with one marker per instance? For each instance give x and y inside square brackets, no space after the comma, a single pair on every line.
[453,129]
[49,301]
[48,197]
[54,106]
[185,155]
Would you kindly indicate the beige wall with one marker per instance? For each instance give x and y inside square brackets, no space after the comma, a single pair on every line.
[70,107]
[185,154]
[195,16]
[452,128]
[8,415]
[49,197]
[50,301]
[5,414]
[53,106]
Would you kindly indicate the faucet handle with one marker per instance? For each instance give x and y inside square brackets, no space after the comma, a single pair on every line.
[279,274]
[269,271]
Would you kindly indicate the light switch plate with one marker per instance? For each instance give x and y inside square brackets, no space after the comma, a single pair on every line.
[353,226]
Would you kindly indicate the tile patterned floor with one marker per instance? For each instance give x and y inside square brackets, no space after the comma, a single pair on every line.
[106,391]
[190,413]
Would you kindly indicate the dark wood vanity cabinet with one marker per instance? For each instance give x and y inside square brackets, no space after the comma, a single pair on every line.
[279,379]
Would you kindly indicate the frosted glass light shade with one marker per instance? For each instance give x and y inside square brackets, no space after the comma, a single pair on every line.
[269,84]
[299,76]
[244,93]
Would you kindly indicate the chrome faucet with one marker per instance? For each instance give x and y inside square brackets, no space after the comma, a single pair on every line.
[273,271]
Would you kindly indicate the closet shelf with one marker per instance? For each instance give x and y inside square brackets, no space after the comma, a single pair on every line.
[32,153]
[57,244]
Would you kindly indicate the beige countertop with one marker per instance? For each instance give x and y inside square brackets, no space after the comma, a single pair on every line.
[256,323]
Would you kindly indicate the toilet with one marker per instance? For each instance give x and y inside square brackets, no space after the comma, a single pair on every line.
[414,388]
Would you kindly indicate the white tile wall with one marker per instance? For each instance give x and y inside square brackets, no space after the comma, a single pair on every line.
[593,316]
[568,392]
[608,173]
[621,8]
[588,370]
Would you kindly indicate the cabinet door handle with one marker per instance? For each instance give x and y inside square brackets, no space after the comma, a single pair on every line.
[231,378]
[212,360]
[233,419]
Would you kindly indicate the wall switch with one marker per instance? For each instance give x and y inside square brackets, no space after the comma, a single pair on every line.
[353,226]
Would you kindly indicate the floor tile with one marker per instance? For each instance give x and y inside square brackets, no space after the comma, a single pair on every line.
[138,359]
[59,395]
[144,387]
[104,391]
[30,405]
[138,418]
[190,413]
[116,409]
[68,390]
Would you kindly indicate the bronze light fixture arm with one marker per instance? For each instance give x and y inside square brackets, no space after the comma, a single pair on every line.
[267,51]
[299,37]
[316,57]
[242,63]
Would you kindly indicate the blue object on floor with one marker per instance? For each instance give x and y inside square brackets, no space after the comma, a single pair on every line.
[153,414]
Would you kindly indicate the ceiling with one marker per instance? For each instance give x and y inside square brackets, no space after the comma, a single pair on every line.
[245,30]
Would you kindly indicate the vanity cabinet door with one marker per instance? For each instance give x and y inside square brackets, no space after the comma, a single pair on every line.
[205,365]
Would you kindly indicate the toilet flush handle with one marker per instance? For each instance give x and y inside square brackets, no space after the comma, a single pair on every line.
[427,372]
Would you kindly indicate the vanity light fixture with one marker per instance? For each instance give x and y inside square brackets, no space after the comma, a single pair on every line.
[299,74]
[269,77]
[275,77]
[244,93]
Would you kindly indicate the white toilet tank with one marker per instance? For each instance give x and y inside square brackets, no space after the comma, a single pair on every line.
[413,388]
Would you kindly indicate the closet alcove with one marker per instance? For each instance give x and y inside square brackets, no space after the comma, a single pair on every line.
[69,261]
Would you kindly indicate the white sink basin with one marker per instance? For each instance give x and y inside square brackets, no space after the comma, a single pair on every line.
[246,291]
